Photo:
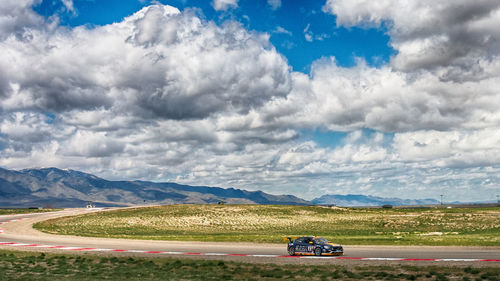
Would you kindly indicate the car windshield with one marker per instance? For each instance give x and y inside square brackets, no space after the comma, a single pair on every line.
[321,240]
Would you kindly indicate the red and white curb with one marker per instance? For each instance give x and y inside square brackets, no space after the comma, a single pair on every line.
[2,222]
[87,249]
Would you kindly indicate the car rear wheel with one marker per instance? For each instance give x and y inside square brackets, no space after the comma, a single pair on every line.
[291,251]
[317,251]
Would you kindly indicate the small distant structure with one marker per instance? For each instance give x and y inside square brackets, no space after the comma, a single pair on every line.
[387,206]
[221,202]
[90,205]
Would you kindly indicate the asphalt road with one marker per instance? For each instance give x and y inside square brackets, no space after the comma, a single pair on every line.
[22,232]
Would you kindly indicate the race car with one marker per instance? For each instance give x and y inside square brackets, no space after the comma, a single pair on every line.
[310,245]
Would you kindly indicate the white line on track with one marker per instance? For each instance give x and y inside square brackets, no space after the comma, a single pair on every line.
[382,259]
[70,248]
[458,260]
[265,256]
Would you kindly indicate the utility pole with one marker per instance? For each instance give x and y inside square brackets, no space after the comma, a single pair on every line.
[498,198]
[441,199]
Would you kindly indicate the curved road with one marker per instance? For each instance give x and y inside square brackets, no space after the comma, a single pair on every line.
[19,234]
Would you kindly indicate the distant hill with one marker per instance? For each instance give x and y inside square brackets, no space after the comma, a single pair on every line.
[67,188]
[363,200]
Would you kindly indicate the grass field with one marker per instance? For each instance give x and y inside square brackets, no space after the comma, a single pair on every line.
[35,266]
[24,211]
[263,223]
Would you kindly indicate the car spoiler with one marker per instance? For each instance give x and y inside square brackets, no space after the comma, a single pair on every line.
[289,239]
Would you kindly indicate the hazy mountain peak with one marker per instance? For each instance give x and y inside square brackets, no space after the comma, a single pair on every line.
[367,200]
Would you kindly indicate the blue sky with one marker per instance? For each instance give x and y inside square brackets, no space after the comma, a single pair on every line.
[392,98]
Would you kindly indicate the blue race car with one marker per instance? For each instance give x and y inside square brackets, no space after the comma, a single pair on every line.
[310,245]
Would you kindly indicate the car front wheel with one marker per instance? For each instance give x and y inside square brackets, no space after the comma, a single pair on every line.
[291,251]
[317,251]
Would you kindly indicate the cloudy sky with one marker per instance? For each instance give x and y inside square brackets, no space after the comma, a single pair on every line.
[387,98]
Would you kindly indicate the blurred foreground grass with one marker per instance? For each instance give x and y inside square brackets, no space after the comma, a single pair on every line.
[36,266]
[269,223]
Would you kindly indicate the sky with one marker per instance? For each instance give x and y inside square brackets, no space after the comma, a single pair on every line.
[386,98]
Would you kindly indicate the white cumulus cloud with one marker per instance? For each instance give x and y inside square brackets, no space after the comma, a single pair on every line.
[275,4]
[185,69]
[426,34]
[224,4]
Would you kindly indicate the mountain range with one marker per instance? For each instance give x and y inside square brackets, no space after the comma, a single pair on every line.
[364,200]
[67,188]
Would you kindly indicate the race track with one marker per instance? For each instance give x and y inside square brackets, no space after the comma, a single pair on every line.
[16,232]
